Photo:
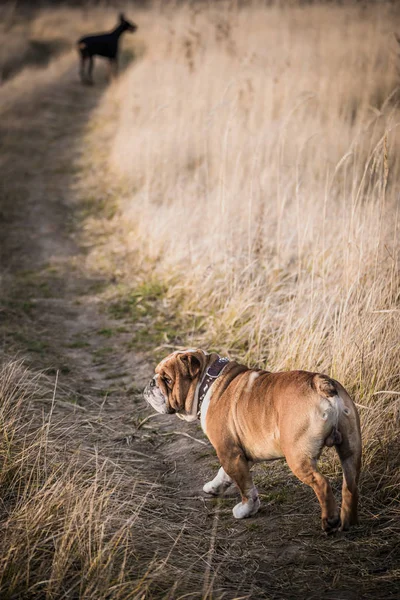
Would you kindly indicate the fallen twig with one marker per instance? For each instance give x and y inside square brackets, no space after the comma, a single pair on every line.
[186,435]
[146,419]
[70,405]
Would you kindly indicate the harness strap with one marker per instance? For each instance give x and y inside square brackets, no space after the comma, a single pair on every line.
[212,373]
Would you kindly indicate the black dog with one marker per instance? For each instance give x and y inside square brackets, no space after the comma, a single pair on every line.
[102,44]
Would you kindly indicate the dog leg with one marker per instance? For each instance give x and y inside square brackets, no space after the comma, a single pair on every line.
[306,470]
[219,484]
[90,70]
[239,470]
[349,451]
[112,69]
[82,68]
[351,471]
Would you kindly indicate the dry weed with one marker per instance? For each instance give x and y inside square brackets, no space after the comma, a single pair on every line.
[264,182]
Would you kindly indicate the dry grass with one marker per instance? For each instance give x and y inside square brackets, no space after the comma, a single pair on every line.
[258,150]
[75,523]
[248,169]
[64,531]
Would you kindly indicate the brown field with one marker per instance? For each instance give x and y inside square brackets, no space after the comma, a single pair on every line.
[236,188]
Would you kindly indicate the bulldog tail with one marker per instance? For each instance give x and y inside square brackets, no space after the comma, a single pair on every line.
[331,405]
[324,386]
[340,427]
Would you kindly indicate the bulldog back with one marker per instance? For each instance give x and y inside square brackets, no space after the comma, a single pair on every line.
[268,414]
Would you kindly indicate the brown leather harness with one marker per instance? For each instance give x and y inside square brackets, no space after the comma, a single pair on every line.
[212,373]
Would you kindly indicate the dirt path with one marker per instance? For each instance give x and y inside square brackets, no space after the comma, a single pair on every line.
[52,316]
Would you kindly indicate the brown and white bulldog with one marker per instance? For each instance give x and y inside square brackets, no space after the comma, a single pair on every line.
[251,415]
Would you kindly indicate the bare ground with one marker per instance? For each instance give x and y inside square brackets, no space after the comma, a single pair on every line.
[51,314]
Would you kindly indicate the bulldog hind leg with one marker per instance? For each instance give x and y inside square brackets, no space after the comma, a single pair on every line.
[306,470]
[349,452]
[219,484]
[238,468]
[351,472]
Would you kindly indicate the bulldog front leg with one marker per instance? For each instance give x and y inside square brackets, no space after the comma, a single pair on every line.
[238,468]
[219,484]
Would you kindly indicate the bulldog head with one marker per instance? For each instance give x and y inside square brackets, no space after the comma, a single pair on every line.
[173,387]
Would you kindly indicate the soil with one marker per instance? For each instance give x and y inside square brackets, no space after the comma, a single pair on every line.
[52,315]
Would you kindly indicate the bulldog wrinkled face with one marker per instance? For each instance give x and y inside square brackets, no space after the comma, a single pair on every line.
[172,389]
[154,395]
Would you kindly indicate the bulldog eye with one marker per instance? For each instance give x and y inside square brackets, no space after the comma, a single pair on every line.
[167,380]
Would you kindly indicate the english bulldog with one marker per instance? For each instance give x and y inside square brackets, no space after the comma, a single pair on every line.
[252,415]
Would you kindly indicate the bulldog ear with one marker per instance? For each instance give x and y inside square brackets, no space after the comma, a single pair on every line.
[192,364]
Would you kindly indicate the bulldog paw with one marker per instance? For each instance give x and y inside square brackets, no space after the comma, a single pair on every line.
[331,525]
[210,488]
[246,509]
[347,521]
[219,484]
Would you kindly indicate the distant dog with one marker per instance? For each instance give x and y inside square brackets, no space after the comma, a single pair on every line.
[102,44]
[251,415]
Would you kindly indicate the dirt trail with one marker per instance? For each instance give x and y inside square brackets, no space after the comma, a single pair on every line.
[53,317]
[51,313]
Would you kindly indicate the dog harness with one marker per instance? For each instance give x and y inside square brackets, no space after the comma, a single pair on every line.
[212,373]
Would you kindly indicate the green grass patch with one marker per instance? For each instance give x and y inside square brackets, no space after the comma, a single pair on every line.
[158,333]
[106,332]
[31,344]
[63,369]
[79,344]
[107,207]
[141,301]
[155,321]
[278,496]
[103,351]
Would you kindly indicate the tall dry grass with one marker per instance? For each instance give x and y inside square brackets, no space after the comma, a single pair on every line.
[62,531]
[75,523]
[257,153]
[259,150]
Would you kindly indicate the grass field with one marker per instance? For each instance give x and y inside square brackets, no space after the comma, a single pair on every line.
[275,226]
[237,188]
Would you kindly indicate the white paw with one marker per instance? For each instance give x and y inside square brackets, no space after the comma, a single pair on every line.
[209,488]
[219,484]
[246,509]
